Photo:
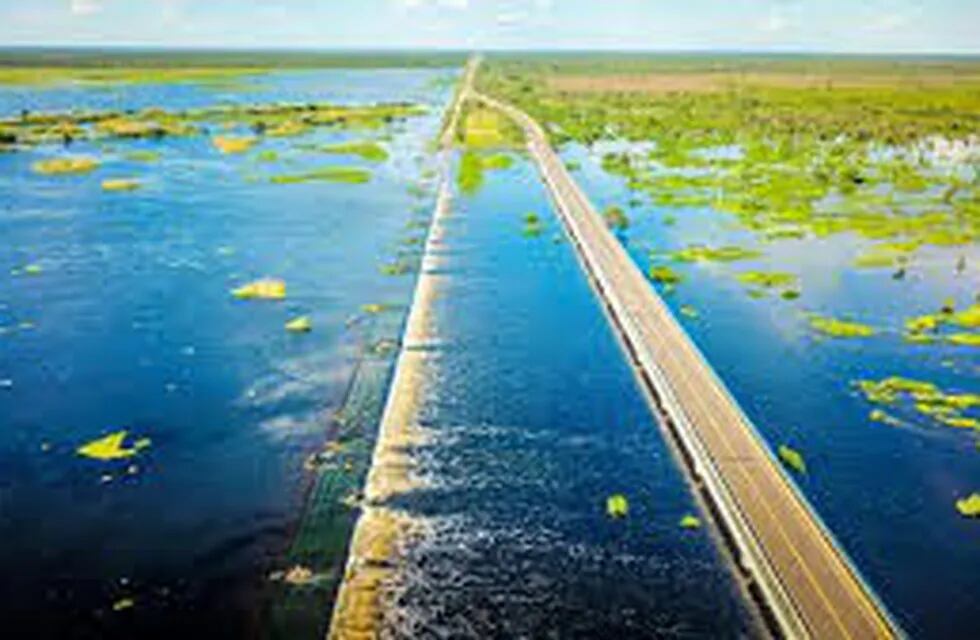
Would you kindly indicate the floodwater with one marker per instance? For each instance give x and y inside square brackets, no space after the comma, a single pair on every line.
[531,418]
[886,492]
[130,326]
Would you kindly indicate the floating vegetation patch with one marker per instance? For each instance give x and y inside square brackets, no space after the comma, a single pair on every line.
[273,120]
[928,400]
[263,289]
[65,165]
[766,279]
[760,282]
[928,328]
[365,149]
[472,165]
[532,225]
[301,324]
[617,506]
[688,311]
[690,521]
[112,447]
[792,458]
[615,218]
[663,274]
[969,507]
[121,184]
[347,175]
[964,339]
[839,328]
[702,253]
[230,145]
[143,155]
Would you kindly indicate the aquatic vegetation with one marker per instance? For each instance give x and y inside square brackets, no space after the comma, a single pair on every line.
[398,268]
[111,447]
[926,328]
[267,155]
[263,289]
[366,150]
[663,274]
[839,328]
[702,253]
[154,123]
[301,324]
[347,175]
[949,409]
[65,165]
[690,522]
[231,145]
[688,311]
[374,308]
[121,184]
[792,458]
[766,279]
[617,506]
[143,155]
[616,218]
[969,507]
[286,129]
[878,415]
[32,269]
[122,604]
[472,165]
[964,339]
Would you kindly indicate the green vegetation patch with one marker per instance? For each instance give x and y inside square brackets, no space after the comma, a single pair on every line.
[969,507]
[839,328]
[347,175]
[792,458]
[928,400]
[365,149]
[65,165]
[702,253]
[663,274]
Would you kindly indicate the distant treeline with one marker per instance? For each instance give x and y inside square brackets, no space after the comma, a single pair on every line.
[119,57]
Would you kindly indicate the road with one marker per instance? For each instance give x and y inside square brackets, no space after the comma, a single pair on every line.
[807,584]
[359,605]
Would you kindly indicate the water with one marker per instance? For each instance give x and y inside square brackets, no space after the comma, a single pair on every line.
[131,326]
[532,419]
[887,493]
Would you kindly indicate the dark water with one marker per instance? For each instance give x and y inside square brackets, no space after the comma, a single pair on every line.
[131,326]
[534,419]
[887,493]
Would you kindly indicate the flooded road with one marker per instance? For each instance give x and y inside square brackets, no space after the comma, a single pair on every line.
[530,419]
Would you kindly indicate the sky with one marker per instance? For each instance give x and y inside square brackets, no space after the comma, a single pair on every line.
[865,26]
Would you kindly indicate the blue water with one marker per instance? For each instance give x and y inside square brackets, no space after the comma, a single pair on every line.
[533,419]
[343,86]
[887,493]
[130,325]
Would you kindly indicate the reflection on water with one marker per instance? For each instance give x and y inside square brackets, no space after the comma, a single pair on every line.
[130,325]
[532,418]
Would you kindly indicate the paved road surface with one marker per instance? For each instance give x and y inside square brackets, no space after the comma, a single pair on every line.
[807,583]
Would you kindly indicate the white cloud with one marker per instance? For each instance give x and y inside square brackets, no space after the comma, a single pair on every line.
[85,7]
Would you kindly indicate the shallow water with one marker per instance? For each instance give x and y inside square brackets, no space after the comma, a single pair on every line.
[532,418]
[887,493]
[130,325]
